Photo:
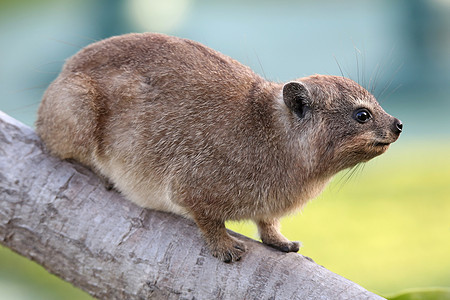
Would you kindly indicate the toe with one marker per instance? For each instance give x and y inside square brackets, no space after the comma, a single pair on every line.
[294,246]
[231,252]
[286,246]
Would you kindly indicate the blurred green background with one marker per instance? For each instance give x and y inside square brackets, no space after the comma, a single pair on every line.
[385,226]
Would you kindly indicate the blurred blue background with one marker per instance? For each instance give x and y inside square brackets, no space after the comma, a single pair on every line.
[400,49]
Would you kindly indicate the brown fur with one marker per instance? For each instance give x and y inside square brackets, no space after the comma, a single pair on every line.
[179,127]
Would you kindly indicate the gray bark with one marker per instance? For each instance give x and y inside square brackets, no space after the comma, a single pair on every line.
[60,215]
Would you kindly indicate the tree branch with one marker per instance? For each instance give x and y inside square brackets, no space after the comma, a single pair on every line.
[60,215]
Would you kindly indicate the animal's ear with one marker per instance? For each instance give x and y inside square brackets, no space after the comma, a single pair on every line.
[296,97]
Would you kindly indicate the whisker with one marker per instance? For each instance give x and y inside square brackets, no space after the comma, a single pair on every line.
[392,92]
[339,66]
[353,173]
[43,72]
[66,43]
[260,64]
[357,65]
[87,38]
[359,73]
[43,86]
[364,67]
[389,83]
[38,68]
[345,177]
[374,78]
[23,107]
[380,70]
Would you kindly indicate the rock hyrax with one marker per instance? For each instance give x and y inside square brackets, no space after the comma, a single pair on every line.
[179,127]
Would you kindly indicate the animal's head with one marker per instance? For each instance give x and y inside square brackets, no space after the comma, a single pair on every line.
[341,120]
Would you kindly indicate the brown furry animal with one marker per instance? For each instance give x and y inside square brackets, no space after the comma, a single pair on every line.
[179,127]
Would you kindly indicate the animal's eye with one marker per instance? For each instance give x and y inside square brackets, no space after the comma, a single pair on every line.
[362,115]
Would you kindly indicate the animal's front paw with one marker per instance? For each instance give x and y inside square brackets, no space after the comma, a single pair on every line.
[269,231]
[286,246]
[229,251]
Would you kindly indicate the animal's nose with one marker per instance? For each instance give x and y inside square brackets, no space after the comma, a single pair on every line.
[398,126]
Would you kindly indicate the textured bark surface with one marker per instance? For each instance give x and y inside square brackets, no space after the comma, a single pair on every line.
[60,215]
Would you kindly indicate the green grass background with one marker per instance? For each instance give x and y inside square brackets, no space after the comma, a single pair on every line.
[386,228]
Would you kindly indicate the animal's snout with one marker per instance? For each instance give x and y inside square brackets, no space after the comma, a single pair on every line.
[398,126]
